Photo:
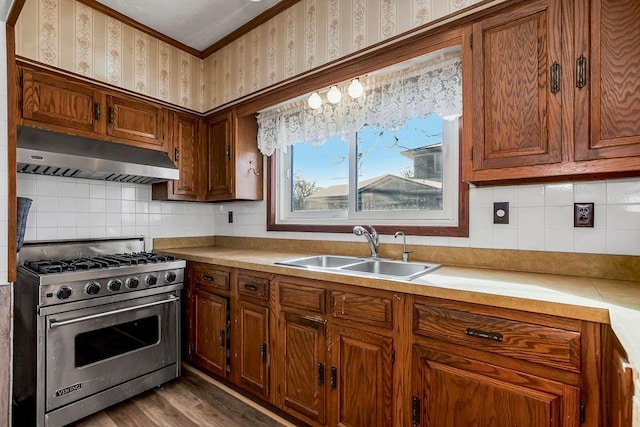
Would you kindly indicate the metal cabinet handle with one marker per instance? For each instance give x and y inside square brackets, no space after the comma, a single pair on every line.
[222,336]
[176,154]
[415,411]
[55,324]
[96,111]
[320,374]
[228,152]
[206,277]
[250,287]
[334,378]
[263,353]
[112,115]
[555,78]
[581,72]
[493,336]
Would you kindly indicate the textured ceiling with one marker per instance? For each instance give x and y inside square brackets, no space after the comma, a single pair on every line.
[196,23]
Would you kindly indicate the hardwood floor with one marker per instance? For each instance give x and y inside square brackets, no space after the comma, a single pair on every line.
[192,400]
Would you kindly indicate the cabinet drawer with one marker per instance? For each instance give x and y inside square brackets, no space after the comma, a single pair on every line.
[362,308]
[293,295]
[253,286]
[545,345]
[207,276]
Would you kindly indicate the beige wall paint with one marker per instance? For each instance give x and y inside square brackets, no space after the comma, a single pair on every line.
[310,34]
[72,36]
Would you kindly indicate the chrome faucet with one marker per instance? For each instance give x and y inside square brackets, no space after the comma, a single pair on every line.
[405,254]
[372,238]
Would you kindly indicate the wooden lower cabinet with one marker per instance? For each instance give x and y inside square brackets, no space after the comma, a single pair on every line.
[452,390]
[303,384]
[209,334]
[360,378]
[251,352]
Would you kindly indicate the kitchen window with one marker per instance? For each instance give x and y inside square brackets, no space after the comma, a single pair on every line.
[388,158]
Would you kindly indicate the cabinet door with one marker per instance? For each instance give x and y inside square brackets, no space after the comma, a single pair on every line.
[252,369]
[209,334]
[219,159]
[454,391]
[303,342]
[516,63]
[620,388]
[360,378]
[184,151]
[57,101]
[136,122]
[607,101]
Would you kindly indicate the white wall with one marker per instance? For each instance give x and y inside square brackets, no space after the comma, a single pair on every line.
[541,219]
[69,208]
[4,224]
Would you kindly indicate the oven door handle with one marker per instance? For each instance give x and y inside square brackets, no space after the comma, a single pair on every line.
[53,323]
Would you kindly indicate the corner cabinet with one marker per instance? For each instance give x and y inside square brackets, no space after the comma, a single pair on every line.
[554,92]
[232,162]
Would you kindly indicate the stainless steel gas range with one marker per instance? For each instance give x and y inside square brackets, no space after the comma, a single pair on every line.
[95,322]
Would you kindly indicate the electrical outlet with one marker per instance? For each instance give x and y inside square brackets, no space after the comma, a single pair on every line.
[230,217]
[583,214]
[501,213]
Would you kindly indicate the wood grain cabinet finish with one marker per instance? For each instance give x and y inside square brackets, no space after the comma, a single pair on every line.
[209,332]
[183,148]
[360,378]
[620,387]
[137,122]
[210,278]
[546,345]
[303,382]
[233,164]
[517,83]
[607,79]
[294,295]
[367,308]
[51,100]
[452,390]
[251,348]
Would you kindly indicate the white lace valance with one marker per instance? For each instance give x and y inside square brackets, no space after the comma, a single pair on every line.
[389,100]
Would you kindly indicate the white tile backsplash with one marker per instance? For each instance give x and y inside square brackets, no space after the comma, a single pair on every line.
[541,219]
[65,208]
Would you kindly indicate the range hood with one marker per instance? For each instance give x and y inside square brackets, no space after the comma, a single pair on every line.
[50,153]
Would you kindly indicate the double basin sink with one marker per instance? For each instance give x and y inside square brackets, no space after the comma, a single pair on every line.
[361,266]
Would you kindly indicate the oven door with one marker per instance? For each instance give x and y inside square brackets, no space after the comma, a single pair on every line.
[93,349]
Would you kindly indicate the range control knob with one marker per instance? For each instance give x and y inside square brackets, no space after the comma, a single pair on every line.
[64,292]
[114,285]
[132,282]
[170,276]
[92,288]
[151,280]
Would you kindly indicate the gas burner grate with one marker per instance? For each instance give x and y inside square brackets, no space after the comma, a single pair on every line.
[95,262]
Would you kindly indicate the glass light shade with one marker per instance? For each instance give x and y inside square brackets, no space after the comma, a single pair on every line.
[315,101]
[334,95]
[355,89]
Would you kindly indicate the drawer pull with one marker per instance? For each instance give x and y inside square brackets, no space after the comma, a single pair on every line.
[334,378]
[320,374]
[250,287]
[263,353]
[493,336]
[207,278]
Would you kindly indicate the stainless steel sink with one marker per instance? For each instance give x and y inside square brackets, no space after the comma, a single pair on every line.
[402,270]
[362,266]
[322,261]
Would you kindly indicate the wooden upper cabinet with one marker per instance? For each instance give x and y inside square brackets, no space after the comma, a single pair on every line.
[139,123]
[232,162]
[517,84]
[52,100]
[218,159]
[607,79]
[183,147]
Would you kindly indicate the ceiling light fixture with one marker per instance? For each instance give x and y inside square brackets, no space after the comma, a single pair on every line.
[315,101]
[355,88]
[334,95]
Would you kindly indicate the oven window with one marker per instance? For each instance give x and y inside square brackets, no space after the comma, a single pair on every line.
[101,344]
